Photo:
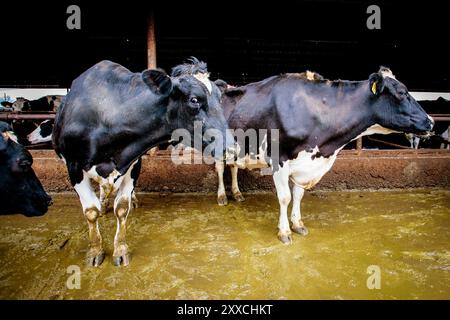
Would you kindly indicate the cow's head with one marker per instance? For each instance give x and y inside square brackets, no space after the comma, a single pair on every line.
[193,99]
[393,106]
[43,133]
[20,189]
[21,104]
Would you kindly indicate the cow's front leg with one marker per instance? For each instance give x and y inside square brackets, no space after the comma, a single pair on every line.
[91,210]
[122,208]
[281,180]
[237,195]
[221,195]
[296,217]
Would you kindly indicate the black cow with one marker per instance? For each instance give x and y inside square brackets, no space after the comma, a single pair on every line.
[20,189]
[315,120]
[111,117]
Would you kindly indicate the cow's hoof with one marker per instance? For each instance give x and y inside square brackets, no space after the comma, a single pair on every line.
[300,229]
[95,257]
[238,197]
[285,238]
[222,200]
[123,260]
[121,256]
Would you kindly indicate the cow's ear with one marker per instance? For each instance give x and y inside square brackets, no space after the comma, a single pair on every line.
[376,83]
[158,81]
[222,85]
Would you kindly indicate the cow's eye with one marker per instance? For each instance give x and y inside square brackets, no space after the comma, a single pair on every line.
[194,100]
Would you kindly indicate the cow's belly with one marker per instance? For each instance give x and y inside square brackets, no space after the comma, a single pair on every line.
[306,172]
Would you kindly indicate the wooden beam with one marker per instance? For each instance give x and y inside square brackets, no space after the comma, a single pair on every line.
[151,41]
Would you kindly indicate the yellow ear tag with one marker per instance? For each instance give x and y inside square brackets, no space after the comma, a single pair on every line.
[374,88]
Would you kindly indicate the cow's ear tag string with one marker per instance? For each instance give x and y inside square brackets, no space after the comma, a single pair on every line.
[374,88]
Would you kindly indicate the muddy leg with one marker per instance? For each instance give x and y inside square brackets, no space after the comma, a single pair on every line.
[237,195]
[221,195]
[105,192]
[91,210]
[281,180]
[296,216]
[134,200]
[122,207]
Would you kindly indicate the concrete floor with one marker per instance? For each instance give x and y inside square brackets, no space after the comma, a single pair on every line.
[187,247]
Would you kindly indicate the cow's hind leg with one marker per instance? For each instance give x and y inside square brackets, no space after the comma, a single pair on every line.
[135,172]
[221,195]
[281,180]
[105,191]
[91,210]
[122,208]
[296,217]
[237,195]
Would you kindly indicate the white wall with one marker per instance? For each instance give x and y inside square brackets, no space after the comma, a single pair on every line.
[31,94]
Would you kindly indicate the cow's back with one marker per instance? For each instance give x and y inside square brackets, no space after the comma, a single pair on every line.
[99,98]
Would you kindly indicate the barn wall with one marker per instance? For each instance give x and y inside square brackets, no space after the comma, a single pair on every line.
[368,170]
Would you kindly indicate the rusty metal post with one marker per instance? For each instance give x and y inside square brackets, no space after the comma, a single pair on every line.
[151,41]
[359,145]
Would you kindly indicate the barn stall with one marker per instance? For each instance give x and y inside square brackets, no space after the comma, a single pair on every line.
[385,206]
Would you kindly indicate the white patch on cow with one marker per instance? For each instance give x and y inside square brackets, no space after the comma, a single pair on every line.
[125,187]
[375,129]
[305,171]
[431,119]
[204,78]
[36,137]
[386,72]
[10,135]
[86,193]
[281,181]
[309,75]
[92,174]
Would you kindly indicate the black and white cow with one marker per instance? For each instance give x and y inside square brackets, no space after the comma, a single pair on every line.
[111,117]
[43,133]
[20,189]
[46,103]
[315,119]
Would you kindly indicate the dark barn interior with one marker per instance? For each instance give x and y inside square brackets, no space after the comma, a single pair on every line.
[241,41]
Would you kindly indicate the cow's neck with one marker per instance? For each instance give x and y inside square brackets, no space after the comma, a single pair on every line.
[354,118]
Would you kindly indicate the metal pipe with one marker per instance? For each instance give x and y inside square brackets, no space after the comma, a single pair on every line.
[22,116]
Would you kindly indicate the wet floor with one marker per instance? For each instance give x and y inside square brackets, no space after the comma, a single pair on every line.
[186,247]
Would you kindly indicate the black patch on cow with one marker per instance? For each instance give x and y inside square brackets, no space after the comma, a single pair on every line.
[46,128]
